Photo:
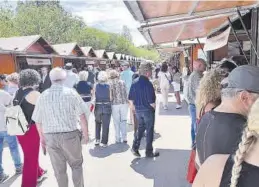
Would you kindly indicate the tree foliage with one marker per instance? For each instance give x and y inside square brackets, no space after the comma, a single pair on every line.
[50,20]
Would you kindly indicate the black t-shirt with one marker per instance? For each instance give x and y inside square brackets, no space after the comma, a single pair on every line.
[219,133]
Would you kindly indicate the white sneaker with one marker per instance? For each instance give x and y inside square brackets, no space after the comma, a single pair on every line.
[97,142]
[178,106]
[165,108]
[104,145]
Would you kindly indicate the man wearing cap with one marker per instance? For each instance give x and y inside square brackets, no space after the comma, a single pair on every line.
[72,78]
[220,130]
[57,113]
[142,99]
[199,67]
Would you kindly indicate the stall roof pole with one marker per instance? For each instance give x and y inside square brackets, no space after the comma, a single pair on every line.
[235,34]
[248,34]
[201,47]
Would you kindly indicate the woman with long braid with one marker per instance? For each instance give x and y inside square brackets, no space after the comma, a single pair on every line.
[240,169]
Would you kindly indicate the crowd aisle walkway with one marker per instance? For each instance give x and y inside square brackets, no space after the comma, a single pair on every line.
[115,166]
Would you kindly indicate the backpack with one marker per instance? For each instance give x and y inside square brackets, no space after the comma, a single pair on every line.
[16,121]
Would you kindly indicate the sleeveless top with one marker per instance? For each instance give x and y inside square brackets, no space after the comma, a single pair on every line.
[27,107]
[249,176]
[102,93]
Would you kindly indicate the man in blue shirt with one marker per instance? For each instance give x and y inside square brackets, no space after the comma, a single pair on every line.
[126,75]
[142,99]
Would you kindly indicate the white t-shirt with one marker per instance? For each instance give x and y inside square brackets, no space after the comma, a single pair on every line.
[5,100]
[164,79]
[71,79]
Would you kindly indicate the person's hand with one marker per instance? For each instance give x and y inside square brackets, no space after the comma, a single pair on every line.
[91,107]
[43,144]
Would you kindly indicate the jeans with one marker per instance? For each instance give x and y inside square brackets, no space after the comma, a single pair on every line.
[14,149]
[146,121]
[192,111]
[66,148]
[102,114]
[119,114]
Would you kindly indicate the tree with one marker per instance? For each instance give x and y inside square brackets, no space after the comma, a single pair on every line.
[126,33]
[50,20]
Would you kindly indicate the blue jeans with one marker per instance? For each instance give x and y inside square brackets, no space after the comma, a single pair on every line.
[13,146]
[146,121]
[192,111]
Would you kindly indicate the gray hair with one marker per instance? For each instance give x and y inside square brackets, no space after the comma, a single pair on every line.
[57,75]
[14,78]
[102,76]
[229,92]
[144,68]
[83,75]
[29,77]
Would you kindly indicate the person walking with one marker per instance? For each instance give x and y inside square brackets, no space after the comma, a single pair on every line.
[142,99]
[5,101]
[71,78]
[27,96]
[177,86]
[45,80]
[84,89]
[120,106]
[103,110]
[13,83]
[192,86]
[57,115]
[165,79]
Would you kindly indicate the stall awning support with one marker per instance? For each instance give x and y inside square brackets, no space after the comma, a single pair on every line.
[239,43]
[247,32]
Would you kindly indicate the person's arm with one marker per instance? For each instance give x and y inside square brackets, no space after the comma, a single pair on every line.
[131,97]
[80,105]
[151,95]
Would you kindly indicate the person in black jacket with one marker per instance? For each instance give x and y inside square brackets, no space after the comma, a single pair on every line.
[45,80]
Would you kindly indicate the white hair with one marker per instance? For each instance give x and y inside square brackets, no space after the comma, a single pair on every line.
[57,75]
[102,76]
[83,75]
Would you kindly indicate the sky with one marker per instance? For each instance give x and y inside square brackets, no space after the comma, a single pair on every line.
[107,15]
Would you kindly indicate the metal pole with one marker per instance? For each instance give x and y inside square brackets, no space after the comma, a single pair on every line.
[248,34]
[239,43]
[201,47]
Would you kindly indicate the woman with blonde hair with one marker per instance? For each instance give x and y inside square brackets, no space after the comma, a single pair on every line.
[13,83]
[208,94]
[240,169]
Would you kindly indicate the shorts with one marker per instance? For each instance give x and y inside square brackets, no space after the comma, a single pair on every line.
[176,86]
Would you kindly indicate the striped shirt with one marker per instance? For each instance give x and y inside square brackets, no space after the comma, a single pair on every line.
[58,109]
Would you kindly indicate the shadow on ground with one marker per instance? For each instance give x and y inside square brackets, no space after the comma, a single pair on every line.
[172,111]
[102,152]
[169,169]
[11,180]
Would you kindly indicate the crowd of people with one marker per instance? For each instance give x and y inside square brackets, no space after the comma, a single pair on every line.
[223,105]
[57,105]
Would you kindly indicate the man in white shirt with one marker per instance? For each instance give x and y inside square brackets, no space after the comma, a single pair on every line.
[72,78]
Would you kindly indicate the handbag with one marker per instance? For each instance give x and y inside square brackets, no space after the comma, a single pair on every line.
[192,171]
[16,121]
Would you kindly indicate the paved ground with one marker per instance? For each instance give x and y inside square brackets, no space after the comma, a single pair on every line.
[115,166]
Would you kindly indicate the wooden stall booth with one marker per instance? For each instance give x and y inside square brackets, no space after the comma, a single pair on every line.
[164,22]
[102,59]
[90,54]
[18,53]
[112,59]
[69,53]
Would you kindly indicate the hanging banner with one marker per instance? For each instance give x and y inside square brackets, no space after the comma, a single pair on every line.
[38,61]
[218,41]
